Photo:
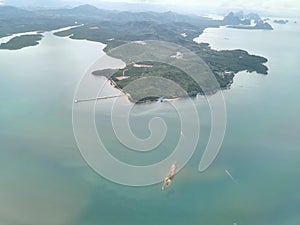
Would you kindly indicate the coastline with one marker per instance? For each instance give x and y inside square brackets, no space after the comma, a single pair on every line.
[115,86]
[19,38]
[161,99]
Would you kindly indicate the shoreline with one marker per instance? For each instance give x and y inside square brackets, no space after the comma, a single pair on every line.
[159,99]
[7,39]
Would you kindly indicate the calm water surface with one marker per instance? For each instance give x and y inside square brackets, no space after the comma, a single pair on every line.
[44,179]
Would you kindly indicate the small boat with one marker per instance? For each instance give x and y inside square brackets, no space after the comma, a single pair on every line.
[169,178]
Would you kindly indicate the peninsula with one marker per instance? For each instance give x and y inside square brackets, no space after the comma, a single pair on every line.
[22,41]
[224,65]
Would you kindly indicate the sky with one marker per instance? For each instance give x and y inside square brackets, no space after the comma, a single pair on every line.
[268,4]
[280,6]
[260,5]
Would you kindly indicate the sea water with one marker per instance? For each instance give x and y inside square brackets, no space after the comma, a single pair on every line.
[45,180]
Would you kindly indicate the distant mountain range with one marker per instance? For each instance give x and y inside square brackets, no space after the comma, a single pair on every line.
[16,20]
[120,6]
[92,11]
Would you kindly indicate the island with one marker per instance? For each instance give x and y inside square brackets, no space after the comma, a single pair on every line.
[281,21]
[240,21]
[260,25]
[22,41]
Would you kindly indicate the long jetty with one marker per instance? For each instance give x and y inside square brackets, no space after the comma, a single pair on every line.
[98,98]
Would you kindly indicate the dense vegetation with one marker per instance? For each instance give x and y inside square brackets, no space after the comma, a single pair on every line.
[160,70]
[22,42]
[223,70]
[116,28]
[14,20]
[228,60]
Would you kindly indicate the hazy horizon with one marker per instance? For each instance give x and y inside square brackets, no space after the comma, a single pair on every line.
[288,8]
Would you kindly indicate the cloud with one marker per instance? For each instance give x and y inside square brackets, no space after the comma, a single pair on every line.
[1,2]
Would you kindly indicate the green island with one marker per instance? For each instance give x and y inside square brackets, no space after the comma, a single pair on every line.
[22,41]
[115,28]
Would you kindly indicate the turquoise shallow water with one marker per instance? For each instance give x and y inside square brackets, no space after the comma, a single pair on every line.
[44,179]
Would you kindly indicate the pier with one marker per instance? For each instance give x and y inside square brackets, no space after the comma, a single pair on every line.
[98,98]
